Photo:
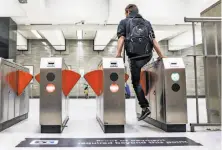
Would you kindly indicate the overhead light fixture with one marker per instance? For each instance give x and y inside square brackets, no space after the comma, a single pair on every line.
[79,34]
[36,34]
[44,43]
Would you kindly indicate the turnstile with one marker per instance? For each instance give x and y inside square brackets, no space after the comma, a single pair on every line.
[14,93]
[108,84]
[111,104]
[54,101]
[164,82]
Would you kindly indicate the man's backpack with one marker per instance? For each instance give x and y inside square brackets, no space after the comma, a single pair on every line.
[139,41]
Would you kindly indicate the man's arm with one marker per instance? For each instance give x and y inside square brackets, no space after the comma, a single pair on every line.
[157,48]
[121,33]
[120,46]
[155,43]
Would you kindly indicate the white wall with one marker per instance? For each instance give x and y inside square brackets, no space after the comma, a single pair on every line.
[185,40]
[195,7]
[21,42]
[158,11]
[10,8]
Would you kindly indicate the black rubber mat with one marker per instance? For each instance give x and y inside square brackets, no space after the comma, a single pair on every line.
[108,142]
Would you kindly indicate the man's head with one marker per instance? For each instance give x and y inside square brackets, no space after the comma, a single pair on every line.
[131,8]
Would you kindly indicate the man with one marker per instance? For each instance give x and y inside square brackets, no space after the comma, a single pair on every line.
[86,91]
[138,38]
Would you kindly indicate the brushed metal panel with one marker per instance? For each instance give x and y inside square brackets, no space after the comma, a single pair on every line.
[1,82]
[10,102]
[152,76]
[11,97]
[64,106]
[212,67]
[219,38]
[100,107]
[114,103]
[17,106]
[166,105]
[26,108]
[22,105]
[209,33]
[176,103]
[160,94]
[4,91]
[17,101]
[212,91]
[65,99]
[51,103]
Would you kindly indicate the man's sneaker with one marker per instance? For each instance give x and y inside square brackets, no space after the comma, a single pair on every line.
[144,114]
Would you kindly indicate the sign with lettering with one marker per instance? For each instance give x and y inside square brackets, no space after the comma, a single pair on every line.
[108,142]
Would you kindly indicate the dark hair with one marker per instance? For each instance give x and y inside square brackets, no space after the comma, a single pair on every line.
[132,8]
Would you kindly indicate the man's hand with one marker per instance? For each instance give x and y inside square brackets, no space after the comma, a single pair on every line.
[160,57]
[118,56]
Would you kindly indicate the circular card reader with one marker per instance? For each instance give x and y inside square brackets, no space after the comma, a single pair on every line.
[50,76]
[175,87]
[175,76]
[114,76]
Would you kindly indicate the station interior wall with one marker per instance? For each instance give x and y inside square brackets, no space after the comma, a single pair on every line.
[79,55]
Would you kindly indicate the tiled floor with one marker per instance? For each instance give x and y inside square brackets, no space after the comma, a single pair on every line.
[82,124]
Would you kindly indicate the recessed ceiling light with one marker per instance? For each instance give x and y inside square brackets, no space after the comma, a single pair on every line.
[44,43]
[79,34]
[36,34]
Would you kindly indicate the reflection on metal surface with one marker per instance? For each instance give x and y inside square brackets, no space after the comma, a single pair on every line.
[165,88]
[212,66]
[14,93]
[108,84]
[112,105]
[54,99]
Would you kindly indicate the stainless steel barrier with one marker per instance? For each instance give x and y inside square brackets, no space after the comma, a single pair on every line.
[108,84]
[53,103]
[211,35]
[14,95]
[56,82]
[111,104]
[164,82]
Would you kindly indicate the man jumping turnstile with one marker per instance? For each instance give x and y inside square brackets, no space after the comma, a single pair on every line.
[138,36]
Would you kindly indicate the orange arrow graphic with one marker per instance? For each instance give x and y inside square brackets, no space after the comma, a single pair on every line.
[24,79]
[69,80]
[37,77]
[95,80]
[18,80]
[11,80]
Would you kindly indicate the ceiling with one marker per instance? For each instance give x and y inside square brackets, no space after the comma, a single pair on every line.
[68,34]
[70,15]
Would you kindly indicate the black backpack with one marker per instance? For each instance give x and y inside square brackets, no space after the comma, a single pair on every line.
[139,41]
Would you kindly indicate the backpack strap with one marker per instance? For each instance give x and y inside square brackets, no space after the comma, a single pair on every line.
[128,26]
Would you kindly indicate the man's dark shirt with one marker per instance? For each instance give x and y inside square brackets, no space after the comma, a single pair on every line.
[122,27]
